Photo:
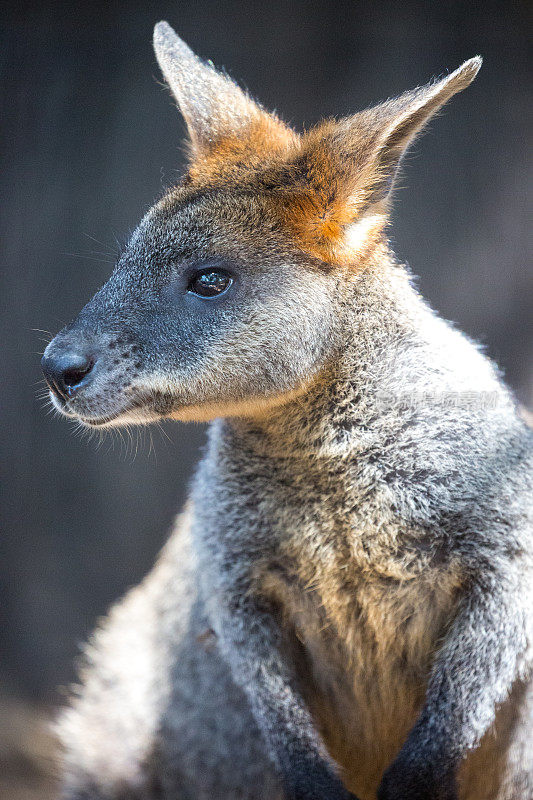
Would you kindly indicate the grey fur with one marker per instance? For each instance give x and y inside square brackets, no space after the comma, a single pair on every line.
[346,604]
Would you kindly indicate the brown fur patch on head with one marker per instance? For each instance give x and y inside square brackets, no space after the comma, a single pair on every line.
[330,187]
[326,190]
[234,158]
[313,192]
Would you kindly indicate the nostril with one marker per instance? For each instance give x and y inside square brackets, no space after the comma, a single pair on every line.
[66,372]
[75,374]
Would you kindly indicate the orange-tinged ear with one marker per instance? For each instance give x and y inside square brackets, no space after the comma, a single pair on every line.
[345,171]
[217,112]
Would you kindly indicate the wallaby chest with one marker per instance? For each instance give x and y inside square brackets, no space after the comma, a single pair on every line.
[367,621]
[362,595]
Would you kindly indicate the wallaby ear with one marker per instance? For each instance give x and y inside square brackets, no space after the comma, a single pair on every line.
[213,106]
[345,170]
[397,122]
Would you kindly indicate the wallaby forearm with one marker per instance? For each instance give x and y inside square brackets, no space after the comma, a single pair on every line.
[474,671]
[250,640]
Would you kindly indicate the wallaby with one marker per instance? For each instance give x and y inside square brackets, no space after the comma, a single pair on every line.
[344,608]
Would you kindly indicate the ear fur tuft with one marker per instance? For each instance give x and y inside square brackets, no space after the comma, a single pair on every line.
[349,167]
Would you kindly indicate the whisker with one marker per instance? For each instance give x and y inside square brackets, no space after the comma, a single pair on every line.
[162,430]
[103,244]
[89,258]
[41,330]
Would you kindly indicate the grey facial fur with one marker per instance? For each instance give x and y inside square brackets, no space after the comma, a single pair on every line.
[345,608]
[161,350]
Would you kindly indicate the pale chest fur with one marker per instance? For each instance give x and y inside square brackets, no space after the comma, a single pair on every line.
[364,598]
[368,612]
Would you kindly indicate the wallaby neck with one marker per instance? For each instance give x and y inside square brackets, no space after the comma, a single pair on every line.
[331,417]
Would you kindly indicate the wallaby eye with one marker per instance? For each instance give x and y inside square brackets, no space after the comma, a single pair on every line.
[209,283]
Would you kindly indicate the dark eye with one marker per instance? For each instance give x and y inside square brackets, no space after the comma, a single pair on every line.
[209,283]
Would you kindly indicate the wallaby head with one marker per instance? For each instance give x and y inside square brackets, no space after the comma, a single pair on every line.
[229,296]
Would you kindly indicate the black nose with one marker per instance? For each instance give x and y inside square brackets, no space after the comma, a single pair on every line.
[66,372]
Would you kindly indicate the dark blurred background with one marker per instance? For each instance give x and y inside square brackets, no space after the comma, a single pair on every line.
[88,140]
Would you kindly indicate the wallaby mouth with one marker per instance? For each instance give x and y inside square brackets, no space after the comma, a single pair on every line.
[93,382]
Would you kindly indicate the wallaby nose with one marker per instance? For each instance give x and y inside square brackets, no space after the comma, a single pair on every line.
[66,372]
